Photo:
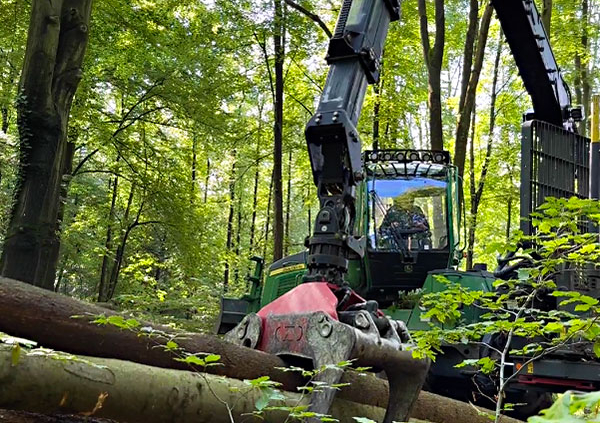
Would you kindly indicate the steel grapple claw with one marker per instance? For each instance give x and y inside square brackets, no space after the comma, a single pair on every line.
[325,341]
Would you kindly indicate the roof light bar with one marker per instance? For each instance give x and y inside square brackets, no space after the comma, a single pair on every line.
[404,156]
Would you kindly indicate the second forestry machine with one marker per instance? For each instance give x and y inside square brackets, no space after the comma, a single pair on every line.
[389,223]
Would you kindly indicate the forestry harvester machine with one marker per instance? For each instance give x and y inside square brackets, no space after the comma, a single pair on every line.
[348,296]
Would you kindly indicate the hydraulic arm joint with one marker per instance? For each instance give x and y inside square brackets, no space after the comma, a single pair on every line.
[354,56]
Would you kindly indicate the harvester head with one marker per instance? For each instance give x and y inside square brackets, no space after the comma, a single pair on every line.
[322,325]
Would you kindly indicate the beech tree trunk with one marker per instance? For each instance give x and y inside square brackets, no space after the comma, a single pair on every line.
[433,60]
[464,119]
[279,44]
[256,179]
[4,111]
[288,204]
[104,271]
[56,43]
[470,39]
[268,214]
[229,242]
[547,15]
[476,188]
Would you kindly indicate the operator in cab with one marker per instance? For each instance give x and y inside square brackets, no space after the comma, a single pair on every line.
[405,222]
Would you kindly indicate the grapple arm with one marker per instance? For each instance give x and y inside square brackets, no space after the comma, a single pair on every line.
[334,146]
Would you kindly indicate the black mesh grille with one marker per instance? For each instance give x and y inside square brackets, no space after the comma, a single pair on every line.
[555,163]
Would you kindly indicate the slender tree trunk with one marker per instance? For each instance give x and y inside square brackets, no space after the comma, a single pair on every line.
[64,192]
[585,77]
[56,43]
[104,271]
[206,180]
[472,189]
[238,237]
[509,217]
[279,44]
[268,213]
[256,178]
[230,222]
[120,253]
[464,119]
[288,204]
[4,111]
[433,60]
[194,164]
[468,51]
[254,207]
[477,193]
[376,113]
[547,15]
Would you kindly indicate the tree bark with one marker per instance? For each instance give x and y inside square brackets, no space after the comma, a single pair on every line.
[229,242]
[120,252]
[14,416]
[585,77]
[206,180]
[279,44]
[468,51]
[104,271]
[547,15]
[4,111]
[268,213]
[464,119]
[47,318]
[194,164]
[56,44]
[477,193]
[140,394]
[288,204]
[238,236]
[433,60]
[256,179]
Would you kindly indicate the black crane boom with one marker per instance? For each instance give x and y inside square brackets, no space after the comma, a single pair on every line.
[334,146]
[530,46]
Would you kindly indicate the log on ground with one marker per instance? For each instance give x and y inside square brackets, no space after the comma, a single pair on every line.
[17,416]
[46,317]
[131,392]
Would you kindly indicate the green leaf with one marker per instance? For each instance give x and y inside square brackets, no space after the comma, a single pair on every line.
[597,348]
[171,346]
[363,420]
[212,358]
[15,354]
[192,360]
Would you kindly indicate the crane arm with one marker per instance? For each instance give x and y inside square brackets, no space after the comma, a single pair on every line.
[530,46]
[354,56]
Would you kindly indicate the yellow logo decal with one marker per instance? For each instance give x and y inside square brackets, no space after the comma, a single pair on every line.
[287,269]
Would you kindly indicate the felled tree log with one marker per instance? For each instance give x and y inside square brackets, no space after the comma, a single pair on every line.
[16,416]
[46,317]
[132,392]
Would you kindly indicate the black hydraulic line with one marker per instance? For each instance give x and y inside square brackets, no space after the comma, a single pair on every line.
[530,46]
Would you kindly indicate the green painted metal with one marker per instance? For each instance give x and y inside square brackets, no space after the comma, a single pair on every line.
[474,281]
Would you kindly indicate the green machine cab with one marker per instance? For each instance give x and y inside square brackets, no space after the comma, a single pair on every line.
[398,258]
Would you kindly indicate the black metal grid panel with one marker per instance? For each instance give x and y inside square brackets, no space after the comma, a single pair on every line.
[555,163]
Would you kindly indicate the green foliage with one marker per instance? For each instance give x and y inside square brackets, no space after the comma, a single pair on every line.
[571,407]
[560,244]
